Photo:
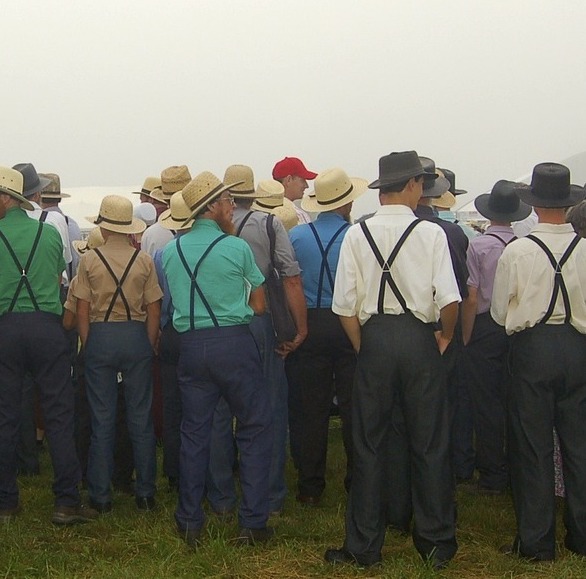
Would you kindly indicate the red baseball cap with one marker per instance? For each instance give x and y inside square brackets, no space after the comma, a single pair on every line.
[292,166]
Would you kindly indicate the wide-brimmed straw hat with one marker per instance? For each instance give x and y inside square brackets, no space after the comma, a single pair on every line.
[398,167]
[201,190]
[150,183]
[437,187]
[244,175]
[33,182]
[178,216]
[333,189]
[287,214]
[273,195]
[550,187]
[116,215]
[502,204]
[11,183]
[174,179]
[53,189]
[93,240]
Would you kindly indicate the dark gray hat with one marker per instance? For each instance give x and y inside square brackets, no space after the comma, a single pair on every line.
[502,203]
[398,167]
[433,188]
[33,182]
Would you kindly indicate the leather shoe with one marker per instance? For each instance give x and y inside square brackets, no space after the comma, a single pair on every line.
[65,515]
[337,556]
[191,536]
[146,503]
[9,514]
[308,500]
[248,536]
[102,508]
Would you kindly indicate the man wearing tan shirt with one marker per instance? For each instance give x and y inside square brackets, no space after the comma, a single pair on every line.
[118,312]
[538,297]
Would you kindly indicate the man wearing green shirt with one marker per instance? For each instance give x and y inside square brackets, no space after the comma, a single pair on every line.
[216,288]
[32,339]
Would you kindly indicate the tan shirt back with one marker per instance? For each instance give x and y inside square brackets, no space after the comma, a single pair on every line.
[96,285]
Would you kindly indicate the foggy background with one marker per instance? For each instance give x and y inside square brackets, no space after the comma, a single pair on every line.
[108,92]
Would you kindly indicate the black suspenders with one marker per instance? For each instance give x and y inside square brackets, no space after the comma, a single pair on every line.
[386,278]
[325,266]
[558,280]
[194,285]
[119,283]
[243,223]
[505,243]
[24,270]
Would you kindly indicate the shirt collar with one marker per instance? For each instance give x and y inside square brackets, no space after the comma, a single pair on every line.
[499,229]
[553,228]
[329,216]
[205,224]
[394,210]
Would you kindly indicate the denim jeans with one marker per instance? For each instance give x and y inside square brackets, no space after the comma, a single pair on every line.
[221,492]
[114,347]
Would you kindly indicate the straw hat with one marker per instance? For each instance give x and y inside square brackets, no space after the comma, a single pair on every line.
[116,215]
[149,185]
[178,216]
[333,189]
[174,179]
[272,194]
[53,189]
[201,190]
[241,173]
[287,214]
[94,239]
[11,182]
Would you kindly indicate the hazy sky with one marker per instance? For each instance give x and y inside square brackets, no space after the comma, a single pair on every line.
[108,92]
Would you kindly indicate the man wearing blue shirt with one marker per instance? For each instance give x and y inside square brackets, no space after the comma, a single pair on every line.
[216,288]
[324,364]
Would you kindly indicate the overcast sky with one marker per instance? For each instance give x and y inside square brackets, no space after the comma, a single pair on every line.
[108,92]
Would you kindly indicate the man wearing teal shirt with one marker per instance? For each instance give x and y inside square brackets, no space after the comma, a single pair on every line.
[216,288]
[32,339]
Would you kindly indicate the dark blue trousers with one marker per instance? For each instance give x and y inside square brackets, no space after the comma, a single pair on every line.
[36,342]
[223,362]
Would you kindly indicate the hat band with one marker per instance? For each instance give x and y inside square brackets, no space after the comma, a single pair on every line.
[204,199]
[247,192]
[261,204]
[8,190]
[336,199]
[100,219]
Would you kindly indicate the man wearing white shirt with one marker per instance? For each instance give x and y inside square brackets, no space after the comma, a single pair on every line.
[539,297]
[394,282]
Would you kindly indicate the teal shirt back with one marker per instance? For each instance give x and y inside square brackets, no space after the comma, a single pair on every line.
[226,277]
[45,270]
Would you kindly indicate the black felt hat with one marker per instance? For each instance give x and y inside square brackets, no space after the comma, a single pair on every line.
[502,203]
[398,167]
[550,187]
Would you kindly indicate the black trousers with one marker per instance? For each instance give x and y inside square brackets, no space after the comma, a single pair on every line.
[400,368]
[484,362]
[548,388]
[322,367]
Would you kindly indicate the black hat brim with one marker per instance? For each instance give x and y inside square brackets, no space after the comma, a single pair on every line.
[379,183]
[576,195]
[482,205]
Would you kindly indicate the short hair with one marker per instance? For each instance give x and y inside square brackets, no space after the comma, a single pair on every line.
[576,215]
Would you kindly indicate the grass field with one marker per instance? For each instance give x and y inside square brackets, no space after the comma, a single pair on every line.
[127,543]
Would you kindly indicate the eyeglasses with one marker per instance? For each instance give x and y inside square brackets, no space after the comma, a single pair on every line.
[230,200]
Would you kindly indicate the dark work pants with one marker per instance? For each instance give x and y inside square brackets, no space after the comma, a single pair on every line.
[27,449]
[484,362]
[223,362]
[169,345]
[36,342]
[399,364]
[322,367]
[548,388]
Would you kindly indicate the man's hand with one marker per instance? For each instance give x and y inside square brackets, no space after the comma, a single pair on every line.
[285,348]
[442,342]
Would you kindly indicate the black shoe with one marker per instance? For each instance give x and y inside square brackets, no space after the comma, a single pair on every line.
[102,508]
[513,549]
[338,556]
[126,487]
[146,503]
[191,536]
[9,514]
[308,500]
[63,515]
[247,536]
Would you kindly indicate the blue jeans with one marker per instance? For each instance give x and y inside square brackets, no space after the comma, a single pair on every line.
[223,362]
[114,347]
[221,491]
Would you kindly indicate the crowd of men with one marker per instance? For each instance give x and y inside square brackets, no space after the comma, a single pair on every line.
[451,356]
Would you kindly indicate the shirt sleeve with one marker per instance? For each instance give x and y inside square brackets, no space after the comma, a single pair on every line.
[344,301]
[71,301]
[251,272]
[152,290]
[445,286]
[82,289]
[502,290]
[285,259]
[473,266]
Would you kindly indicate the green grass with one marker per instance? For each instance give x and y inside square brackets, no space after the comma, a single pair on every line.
[129,544]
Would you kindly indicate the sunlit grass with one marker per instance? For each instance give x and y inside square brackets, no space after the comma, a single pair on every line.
[131,544]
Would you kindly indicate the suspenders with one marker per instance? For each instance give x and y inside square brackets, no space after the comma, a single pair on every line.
[24,270]
[243,223]
[325,266]
[505,243]
[386,278]
[558,282]
[119,283]
[194,285]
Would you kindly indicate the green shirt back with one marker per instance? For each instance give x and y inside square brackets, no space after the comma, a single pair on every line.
[44,272]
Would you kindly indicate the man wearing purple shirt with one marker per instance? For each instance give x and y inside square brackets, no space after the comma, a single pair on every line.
[485,342]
